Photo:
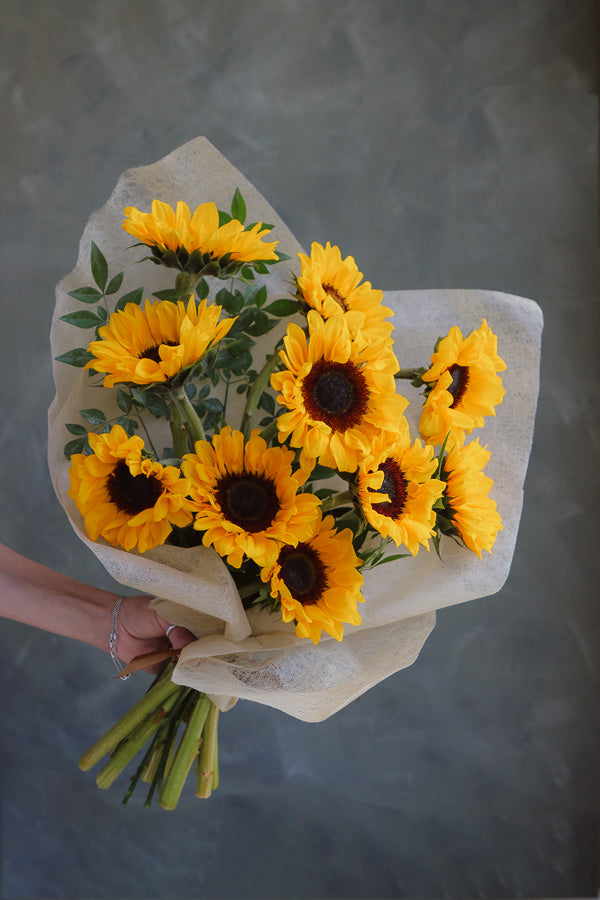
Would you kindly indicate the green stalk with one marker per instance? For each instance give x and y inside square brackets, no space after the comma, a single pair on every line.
[121,729]
[269,432]
[343,498]
[186,754]
[131,746]
[190,417]
[187,701]
[178,432]
[206,765]
[409,373]
[186,284]
[255,392]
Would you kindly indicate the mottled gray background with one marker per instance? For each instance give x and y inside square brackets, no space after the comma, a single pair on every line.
[444,144]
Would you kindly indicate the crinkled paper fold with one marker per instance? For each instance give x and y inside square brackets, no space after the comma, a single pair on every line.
[251,655]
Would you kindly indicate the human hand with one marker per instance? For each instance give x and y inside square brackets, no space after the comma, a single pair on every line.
[141,630]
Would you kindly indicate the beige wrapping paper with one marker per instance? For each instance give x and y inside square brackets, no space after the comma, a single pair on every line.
[252,655]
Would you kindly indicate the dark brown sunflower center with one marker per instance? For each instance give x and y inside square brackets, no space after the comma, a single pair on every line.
[335,393]
[333,292]
[132,494]
[460,381]
[152,352]
[394,485]
[248,500]
[303,573]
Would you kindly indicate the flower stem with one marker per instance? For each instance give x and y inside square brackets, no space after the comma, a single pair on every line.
[186,754]
[185,284]
[410,374]
[206,766]
[121,729]
[190,417]
[255,392]
[133,743]
[178,432]
[269,432]
[343,498]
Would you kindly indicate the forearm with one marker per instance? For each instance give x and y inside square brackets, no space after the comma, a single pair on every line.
[35,595]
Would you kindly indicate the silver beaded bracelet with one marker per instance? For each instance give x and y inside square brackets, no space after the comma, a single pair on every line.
[112,640]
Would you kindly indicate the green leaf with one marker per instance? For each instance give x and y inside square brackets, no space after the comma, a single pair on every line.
[93,416]
[76,446]
[202,289]
[129,425]
[283,307]
[83,319]
[267,402]
[213,405]
[77,357]
[150,401]
[260,325]
[394,556]
[224,218]
[169,294]
[238,207]
[320,473]
[115,283]
[131,297]
[231,303]
[73,428]
[281,257]
[247,273]
[124,400]
[99,267]
[86,295]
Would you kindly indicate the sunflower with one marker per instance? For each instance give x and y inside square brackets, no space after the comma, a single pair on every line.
[340,392]
[196,243]
[465,386]
[246,497]
[318,582]
[397,492]
[154,344]
[467,506]
[331,285]
[129,500]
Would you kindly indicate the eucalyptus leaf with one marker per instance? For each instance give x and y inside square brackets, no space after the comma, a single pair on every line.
[124,400]
[238,206]
[285,306]
[129,425]
[169,294]
[73,428]
[83,319]
[134,296]
[115,283]
[202,289]
[93,416]
[99,266]
[77,357]
[86,295]
[267,402]
[76,446]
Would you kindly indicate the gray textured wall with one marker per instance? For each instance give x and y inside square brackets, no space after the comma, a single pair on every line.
[444,144]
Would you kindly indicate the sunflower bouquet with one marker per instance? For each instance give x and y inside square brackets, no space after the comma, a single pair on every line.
[251,459]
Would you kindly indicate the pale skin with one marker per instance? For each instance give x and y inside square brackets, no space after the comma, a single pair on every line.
[36,595]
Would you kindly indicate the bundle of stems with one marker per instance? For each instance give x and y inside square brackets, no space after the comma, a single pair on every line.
[179,726]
